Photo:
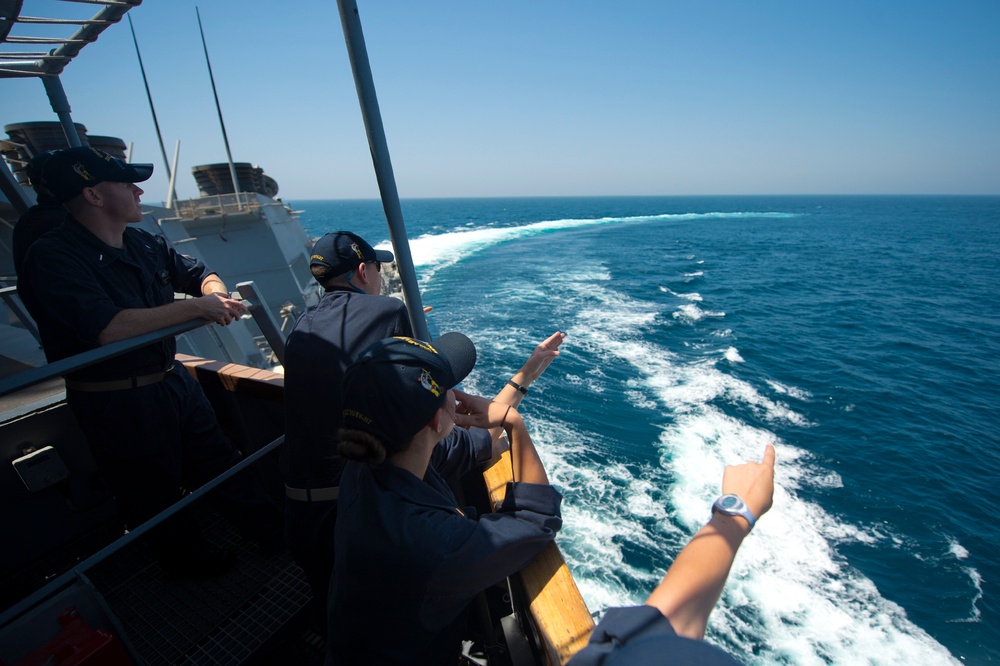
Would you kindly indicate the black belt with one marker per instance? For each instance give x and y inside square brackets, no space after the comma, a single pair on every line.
[313,494]
[119,384]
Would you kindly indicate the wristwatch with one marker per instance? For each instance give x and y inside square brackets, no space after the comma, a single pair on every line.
[733,505]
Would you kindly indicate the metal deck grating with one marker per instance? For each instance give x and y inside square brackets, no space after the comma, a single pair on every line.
[221,621]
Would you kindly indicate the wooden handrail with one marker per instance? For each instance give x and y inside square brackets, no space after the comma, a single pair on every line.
[557,608]
[239,378]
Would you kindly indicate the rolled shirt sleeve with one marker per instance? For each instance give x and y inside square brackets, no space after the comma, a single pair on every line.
[186,272]
[461,451]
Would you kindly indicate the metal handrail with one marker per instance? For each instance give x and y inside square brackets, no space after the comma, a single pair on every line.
[258,309]
[33,376]
[58,368]
[13,302]
[216,205]
[63,581]
[262,316]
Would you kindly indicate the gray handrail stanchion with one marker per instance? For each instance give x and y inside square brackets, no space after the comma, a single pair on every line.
[13,301]
[262,316]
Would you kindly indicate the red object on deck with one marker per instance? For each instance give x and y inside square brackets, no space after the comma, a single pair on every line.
[78,645]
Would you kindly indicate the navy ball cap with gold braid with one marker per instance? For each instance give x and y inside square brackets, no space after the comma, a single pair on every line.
[66,172]
[397,384]
[342,251]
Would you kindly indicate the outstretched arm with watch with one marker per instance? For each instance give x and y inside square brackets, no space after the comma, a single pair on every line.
[517,387]
[694,582]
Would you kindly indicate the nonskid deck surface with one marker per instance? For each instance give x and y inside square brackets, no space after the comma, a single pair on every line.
[229,619]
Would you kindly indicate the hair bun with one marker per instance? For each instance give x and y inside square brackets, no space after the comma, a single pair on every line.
[360,446]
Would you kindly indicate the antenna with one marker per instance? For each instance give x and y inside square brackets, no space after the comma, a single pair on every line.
[152,109]
[222,124]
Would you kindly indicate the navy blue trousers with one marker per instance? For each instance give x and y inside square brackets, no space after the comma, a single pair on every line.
[152,442]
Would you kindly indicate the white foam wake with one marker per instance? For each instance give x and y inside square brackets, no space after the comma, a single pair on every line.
[433,252]
[790,598]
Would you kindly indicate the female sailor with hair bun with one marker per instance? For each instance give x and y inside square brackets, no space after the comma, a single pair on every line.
[409,560]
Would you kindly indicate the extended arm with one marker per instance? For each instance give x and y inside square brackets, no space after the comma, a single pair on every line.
[214,305]
[694,582]
[532,369]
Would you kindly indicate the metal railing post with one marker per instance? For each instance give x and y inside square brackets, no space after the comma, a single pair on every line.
[262,315]
[13,301]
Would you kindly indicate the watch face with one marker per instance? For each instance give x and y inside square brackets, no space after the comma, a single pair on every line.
[730,503]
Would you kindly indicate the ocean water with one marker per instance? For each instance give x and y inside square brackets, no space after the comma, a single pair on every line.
[860,335]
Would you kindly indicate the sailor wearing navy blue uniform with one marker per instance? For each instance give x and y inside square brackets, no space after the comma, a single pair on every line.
[409,559]
[47,213]
[150,428]
[328,336]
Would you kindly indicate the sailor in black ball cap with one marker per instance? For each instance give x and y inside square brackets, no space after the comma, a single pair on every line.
[47,213]
[351,315]
[97,279]
[409,560]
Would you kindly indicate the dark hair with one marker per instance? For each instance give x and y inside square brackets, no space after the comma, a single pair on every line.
[360,446]
[326,277]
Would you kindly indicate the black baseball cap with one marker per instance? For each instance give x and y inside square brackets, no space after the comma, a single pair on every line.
[342,251]
[397,384]
[66,172]
[33,170]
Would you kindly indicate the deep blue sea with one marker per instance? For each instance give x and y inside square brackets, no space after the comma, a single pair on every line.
[860,335]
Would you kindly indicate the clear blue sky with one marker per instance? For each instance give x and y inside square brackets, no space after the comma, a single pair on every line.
[559,98]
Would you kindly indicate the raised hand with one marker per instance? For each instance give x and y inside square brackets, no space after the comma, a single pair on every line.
[542,356]
[752,481]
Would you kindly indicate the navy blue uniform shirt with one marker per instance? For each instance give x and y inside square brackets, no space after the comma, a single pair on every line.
[74,284]
[43,217]
[409,560]
[642,636]
[327,338]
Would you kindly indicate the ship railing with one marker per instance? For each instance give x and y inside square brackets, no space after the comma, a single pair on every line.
[273,335]
[78,572]
[217,204]
[44,373]
[255,304]
[13,303]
